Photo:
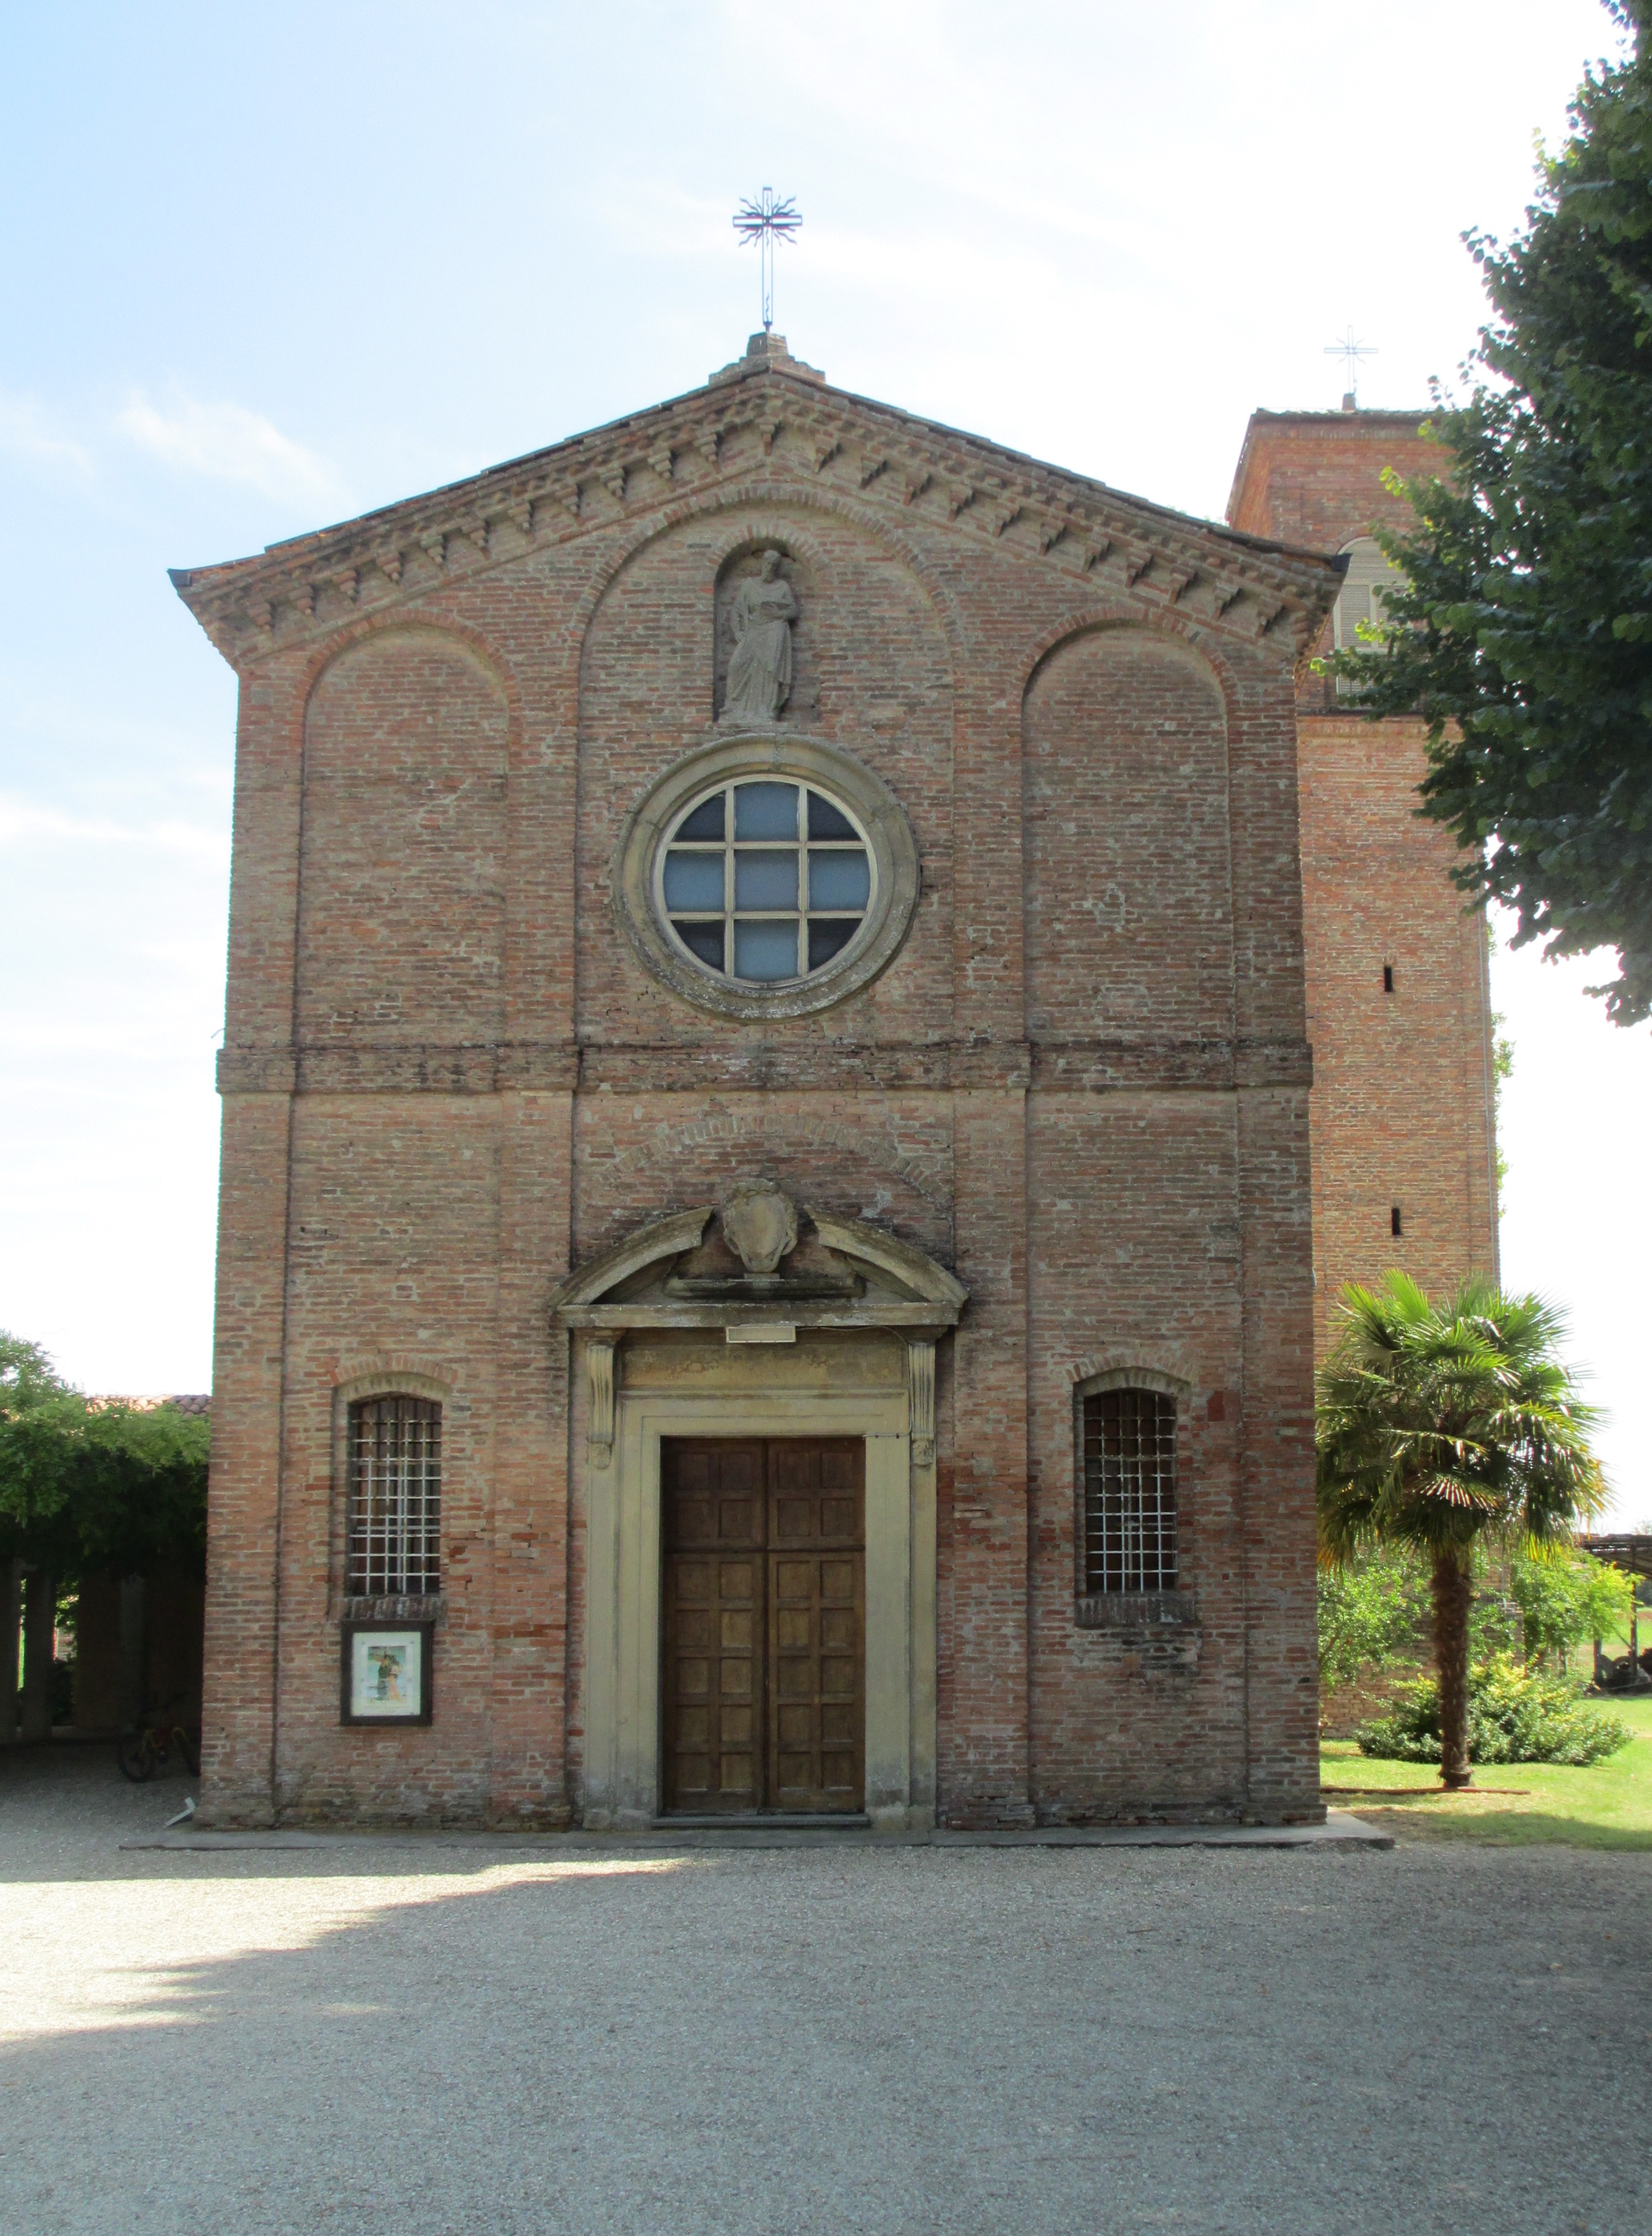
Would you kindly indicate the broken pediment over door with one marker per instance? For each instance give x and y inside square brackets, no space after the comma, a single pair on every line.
[764,1270]
[761,1268]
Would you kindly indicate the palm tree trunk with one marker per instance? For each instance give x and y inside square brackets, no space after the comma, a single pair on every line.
[1453,1590]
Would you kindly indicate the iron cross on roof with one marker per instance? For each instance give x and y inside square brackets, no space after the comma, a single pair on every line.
[1351,351]
[765,221]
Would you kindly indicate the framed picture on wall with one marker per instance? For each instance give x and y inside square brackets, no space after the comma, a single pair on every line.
[386,1672]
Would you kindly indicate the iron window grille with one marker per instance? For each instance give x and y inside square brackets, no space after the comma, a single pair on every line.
[394,1497]
[1129,1491]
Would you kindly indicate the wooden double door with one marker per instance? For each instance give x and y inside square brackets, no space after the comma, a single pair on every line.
[764,1623]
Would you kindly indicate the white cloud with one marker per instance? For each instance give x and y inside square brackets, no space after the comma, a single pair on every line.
[227,443]
[88,735]
[23,824]
[25,432]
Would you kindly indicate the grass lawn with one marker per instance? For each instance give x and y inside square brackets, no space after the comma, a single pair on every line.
[1607,1806]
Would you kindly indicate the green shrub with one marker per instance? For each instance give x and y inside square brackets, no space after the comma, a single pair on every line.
[1513,1716]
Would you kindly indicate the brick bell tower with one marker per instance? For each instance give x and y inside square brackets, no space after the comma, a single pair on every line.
[1399,1008]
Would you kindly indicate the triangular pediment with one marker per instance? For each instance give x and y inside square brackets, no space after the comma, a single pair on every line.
[767,418]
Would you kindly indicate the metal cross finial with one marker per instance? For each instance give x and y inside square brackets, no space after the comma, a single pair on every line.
[765,221]
[1351,351]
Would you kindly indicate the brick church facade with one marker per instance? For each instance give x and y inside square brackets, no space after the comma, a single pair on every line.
[776,1209]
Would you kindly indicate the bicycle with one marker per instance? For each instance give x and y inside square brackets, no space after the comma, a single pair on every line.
[142,1752]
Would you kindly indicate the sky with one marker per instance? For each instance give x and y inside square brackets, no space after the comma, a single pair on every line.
[264,271]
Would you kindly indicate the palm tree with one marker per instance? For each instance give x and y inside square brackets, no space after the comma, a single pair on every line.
[1439,1424]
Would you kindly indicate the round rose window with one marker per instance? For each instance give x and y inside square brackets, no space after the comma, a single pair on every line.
[766,874]
[762,881]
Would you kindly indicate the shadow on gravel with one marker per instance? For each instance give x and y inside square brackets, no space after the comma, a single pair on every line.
[441,2041]
[805,2042]
[65,1810]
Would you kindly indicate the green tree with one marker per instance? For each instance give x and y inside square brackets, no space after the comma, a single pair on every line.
[1566,1596]
[1439,1424]
[1370,1609]
[138,1488]
[40,1417]
[87,1486]
[1502,1073]
[1523,632]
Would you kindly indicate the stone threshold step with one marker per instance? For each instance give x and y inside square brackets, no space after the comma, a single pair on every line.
[1340,1829]
[762,1820]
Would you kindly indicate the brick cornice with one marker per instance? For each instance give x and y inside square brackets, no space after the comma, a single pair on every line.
[790,431]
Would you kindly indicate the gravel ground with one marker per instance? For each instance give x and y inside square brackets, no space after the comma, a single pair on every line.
[418,2039]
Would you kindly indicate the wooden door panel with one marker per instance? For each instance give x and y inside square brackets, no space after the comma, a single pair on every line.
[816,1624]
[712,1661]
[764,1620]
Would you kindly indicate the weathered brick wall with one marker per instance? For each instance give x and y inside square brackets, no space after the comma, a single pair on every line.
[1129,907]
[392,1266]
[405,765]
[1314,478]
[871,667]
[880,1156]
[1402,1085]
[1082,1082]
[1140,1201]
[1402,1101]
[1135,1261]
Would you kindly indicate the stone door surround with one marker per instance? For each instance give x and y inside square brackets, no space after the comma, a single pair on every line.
[842,1345]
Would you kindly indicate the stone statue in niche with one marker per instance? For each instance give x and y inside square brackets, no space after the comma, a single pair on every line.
[761,615]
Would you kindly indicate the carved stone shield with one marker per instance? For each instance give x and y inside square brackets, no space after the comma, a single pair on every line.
[759,1225]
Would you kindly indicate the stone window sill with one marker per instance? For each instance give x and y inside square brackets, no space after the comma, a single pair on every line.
[411,1606]
[1136,1611]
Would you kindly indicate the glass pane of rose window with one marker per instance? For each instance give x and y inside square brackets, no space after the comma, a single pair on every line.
[842,881]
[828,936]
[693,881]
[765,810]
[704,940]
[706,821]
[766,950]
[826,821]
[766,881]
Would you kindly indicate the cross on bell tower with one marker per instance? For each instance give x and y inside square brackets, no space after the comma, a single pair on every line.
[1351,351]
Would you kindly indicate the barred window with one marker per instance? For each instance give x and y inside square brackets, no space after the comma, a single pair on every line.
[395,1497]
[1128,1491]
